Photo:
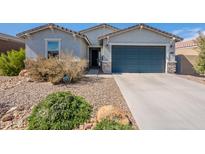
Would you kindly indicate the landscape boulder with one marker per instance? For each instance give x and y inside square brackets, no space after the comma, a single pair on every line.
[24,73]
[113,113]
[7,117]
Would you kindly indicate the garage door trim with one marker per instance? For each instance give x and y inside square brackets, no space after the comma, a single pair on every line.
[141,44]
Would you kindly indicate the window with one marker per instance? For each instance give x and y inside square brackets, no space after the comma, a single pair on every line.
[53,48]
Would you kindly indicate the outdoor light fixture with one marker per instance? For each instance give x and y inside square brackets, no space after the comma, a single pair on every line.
[107,43]
[51,28]
[74,35]
[172,42]
[141,26]
[27,35]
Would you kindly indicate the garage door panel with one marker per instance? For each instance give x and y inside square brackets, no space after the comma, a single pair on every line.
[143,59]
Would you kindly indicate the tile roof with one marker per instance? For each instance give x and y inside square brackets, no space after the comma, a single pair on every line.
[177,38]
[10,38]
[185,44]
[99,26]
[51,25]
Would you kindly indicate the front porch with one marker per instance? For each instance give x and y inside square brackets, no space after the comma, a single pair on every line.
[95,57]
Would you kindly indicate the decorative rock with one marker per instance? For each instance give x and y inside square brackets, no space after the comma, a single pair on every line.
[94,125]
[112,112]
[107,112]
[19,82]
[7,117]
[81,127]
[8,126]
[125,121]
[23,73]
[29,80]
[20,108]
[88,126]
[16,114]
[11,109]
[92,120]
[171,67]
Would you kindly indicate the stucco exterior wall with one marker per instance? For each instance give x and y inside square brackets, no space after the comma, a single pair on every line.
[136,37]
[94,34]
[36,44]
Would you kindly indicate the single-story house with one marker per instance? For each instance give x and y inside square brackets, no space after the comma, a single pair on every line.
[8,42]
[140,48]
[186,57]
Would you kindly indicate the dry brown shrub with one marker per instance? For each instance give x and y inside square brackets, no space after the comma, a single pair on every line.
[54,69]
[74,68]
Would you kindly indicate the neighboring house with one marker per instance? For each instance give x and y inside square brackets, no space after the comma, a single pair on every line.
[8,42]
[186,56]
[139,48]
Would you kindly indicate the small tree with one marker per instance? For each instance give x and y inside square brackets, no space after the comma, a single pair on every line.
[200,64]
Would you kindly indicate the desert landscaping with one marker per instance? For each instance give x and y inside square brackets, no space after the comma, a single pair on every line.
[18,96]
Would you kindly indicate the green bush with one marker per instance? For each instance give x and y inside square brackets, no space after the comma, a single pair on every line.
[60,111]
[12,62]
[200,63]
[107,124]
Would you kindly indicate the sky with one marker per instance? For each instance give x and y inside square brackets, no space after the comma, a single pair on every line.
[185,30]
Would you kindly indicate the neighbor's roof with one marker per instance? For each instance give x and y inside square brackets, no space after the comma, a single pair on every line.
[142,26]
[100,26]
[51,26]
[185,44]
[7,37]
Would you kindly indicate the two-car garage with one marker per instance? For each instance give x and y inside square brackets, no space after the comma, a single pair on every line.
[139,49]
[138,59]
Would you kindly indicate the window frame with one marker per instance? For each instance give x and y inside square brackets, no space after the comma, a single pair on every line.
[52,39]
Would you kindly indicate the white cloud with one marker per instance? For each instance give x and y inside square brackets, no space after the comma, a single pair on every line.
[188,33]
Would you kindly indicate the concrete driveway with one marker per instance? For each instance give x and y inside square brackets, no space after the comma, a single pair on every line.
[163,101]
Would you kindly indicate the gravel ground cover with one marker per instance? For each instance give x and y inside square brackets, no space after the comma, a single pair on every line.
[16,93]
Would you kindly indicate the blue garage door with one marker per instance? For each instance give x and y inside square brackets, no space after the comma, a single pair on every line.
[138,59]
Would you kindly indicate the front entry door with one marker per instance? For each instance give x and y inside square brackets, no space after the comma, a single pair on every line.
[94,58]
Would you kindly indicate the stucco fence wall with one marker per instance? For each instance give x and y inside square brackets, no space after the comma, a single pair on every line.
[185,64]
[9,45]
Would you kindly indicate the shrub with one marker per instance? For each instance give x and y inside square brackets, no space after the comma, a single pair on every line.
[60,110]
[73,67]
[200,65]
[54,69]
[43,69]
[107,124]
[12,62]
